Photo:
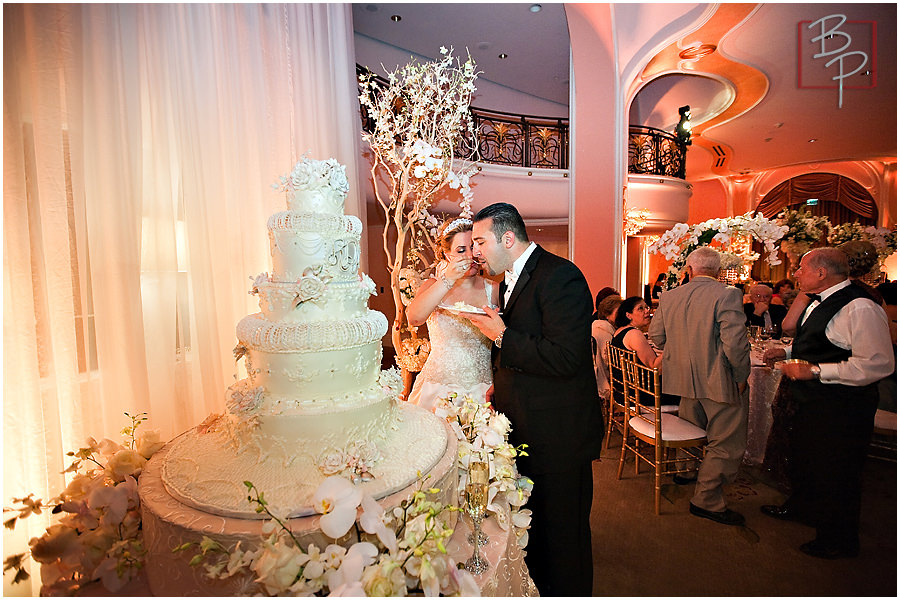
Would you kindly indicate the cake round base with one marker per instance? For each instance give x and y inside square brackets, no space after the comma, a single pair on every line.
[206,468]
[168,523]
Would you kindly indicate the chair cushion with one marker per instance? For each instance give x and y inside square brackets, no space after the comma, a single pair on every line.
[674,429]
[886,421]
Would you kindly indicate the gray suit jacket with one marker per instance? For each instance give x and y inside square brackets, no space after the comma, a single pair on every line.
[702,330]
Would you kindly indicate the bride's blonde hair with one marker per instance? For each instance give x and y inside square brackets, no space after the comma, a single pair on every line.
[444,238]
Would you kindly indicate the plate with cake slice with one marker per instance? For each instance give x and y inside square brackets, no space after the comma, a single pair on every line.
[461,307]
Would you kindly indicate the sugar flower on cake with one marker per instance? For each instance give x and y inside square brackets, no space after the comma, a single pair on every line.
[391,381]
[259,281]
[242,398]
[310,174]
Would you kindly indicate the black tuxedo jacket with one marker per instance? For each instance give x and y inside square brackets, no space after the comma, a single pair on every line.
[544,377]
[776,311]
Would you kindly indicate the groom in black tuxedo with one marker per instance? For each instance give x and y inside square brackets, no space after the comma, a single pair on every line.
[544,382]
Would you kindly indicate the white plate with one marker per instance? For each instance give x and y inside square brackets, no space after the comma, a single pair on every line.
[466,309]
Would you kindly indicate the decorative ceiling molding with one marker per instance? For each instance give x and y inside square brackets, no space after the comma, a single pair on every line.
[749,83]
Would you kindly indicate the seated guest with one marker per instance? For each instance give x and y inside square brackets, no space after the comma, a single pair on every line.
[602,330]
[760,310]
[604,293]
[632,316]
[784,287]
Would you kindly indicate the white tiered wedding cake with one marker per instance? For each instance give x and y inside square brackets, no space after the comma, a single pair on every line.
[316,401]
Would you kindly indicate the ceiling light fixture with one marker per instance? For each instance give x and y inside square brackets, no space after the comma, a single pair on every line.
[813,140]
[535,8]
[697,52]
[395,18]
[502,55]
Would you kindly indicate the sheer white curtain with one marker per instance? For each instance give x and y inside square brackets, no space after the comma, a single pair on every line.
[140,145]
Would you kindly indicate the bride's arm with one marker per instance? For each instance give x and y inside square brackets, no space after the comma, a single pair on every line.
[431,292]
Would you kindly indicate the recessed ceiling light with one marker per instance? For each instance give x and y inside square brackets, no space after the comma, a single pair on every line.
[777,125]
[767,140]
[395,18]
[535,8]
[813,140]
[866,72]
[502,55]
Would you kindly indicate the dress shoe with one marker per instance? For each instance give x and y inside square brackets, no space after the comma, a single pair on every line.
[680,480]
[782,513]
[827,551]
[725,517]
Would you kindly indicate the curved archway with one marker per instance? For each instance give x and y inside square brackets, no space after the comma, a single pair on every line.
[839,198]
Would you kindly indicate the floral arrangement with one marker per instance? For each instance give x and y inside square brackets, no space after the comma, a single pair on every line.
[804,230]
[393,553]
[677,243]
[310,174]
[483,432]
[99,536]
[884,240]
[419,117]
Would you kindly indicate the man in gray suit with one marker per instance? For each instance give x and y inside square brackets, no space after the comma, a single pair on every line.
[706,360]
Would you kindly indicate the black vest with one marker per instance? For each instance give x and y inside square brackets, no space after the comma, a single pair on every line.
[811,344]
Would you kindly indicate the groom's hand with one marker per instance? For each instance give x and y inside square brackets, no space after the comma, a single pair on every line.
[489,324]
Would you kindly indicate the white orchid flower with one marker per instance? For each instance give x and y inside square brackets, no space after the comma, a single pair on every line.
[372,521]
[358,557]
[336,499]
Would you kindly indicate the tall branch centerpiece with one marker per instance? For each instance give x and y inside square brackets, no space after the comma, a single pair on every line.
[419,119]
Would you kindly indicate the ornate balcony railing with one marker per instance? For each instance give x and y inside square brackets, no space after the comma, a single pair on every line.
[653,151]
[509,138]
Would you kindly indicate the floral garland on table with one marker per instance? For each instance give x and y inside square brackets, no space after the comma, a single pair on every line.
[884,240]
[677,243]
[482,430]
[99,538]
[404,550]
[804,229]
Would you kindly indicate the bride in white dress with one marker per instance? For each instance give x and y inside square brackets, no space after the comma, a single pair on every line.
[460,358]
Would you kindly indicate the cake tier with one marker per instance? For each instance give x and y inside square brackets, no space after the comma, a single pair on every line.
[301,241]
[322,363]
[306,301]
[287,458]
[168,523]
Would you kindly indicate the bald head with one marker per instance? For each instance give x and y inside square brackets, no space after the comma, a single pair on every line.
[821,268]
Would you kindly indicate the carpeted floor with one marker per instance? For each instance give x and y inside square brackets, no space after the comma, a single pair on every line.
[637,553]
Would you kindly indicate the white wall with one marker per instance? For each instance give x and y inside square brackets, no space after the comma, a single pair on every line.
[488,95]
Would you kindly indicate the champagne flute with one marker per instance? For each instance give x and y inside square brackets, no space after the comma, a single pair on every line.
[476,504]
[479,472]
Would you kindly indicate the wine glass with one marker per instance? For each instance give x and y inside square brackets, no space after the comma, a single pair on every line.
[476,504]
[479,472]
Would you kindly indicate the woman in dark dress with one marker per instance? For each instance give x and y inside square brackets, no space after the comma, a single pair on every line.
[633,314]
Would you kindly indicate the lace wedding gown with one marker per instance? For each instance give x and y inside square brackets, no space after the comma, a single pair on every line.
[460,359]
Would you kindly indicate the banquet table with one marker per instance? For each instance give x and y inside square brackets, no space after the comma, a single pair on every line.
[763,383]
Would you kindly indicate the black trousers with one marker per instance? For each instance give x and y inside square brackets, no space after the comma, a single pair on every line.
[559,540]
[829,439]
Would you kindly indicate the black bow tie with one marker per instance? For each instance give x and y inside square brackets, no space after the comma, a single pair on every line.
[814,297]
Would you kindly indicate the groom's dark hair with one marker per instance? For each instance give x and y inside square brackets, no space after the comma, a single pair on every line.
[504,217]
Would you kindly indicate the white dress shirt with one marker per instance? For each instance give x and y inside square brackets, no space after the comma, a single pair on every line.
[860,326]
[511,276]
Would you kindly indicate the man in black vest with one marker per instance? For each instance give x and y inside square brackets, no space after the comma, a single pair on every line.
[844,345]
[544,382]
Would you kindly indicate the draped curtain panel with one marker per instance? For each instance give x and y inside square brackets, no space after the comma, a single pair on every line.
[840,199]
[140,145]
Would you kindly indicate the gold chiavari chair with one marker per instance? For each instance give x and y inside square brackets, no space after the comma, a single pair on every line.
[617,389]
[661,434]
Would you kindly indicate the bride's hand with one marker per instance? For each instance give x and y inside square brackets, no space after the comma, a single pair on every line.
[454,270]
